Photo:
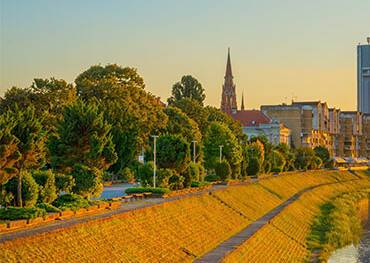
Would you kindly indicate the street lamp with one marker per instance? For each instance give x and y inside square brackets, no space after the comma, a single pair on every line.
[220,152]
[194,154]
[155,158]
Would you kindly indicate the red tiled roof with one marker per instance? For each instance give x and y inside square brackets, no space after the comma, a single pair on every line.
[251,117]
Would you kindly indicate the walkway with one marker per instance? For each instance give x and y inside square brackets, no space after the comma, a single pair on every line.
[217,254]
[57,224]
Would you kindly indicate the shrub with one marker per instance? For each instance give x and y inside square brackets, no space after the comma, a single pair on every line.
[30,189]
[64,183]
[15,213]
[127,175]
[323,153]
[223,170]
[48,208]
[146,174]
[277,162]
[316,163]
[202,172]
[199,184]
[71,201]
[254,166]
[140,190]
[211,178]
[163,177]
[191,174]
[47,189]
[176,182]
[88,181]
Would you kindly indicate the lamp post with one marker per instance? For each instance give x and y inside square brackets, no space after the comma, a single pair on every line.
[194,154]
[220,152]
[155,158]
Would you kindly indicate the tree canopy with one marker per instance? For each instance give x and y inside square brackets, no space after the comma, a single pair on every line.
[187,87]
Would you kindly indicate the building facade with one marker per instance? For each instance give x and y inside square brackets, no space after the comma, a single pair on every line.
[308,122]
[363,77]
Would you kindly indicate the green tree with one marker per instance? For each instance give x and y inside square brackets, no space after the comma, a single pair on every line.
[214,114]
[9,154]
[255,153]
[29,189]
[47,187]
[323,153]
[82,137]
[188,87]
[277,161]
[223,170]
[47,96]
[288,155]
[173,152]
[88,181]
[64,183]
[195,111]
[133,113]
[191,174]
[219,134]
[31,143]
[304,158]
[180,124]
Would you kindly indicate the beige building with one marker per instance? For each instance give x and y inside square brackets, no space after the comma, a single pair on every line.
[308,122]
[334,129]
[350,134]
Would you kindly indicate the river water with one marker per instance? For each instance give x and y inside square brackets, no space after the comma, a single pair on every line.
[354,254]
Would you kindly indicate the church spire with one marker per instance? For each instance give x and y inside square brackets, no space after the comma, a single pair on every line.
[229,73]
[242,104]
[228,100]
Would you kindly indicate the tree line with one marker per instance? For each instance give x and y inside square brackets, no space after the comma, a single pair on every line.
[60,137]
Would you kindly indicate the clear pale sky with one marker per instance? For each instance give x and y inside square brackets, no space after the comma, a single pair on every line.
[279,49]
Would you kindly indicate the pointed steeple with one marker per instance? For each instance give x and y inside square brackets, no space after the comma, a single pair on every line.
[228,100]
[242,104]
[229,73]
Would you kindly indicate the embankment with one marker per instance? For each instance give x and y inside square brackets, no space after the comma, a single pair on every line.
[181,230]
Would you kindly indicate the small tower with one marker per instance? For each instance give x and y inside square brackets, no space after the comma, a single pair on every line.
[228,100]
[242,104]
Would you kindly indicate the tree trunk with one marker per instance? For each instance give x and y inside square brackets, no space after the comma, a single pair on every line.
[19,190]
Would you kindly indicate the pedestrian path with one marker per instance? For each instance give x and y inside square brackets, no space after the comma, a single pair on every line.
[217,254]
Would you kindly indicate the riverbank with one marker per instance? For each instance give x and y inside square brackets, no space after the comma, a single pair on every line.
[339,224]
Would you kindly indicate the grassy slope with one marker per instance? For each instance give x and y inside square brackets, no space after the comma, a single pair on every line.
[171,232]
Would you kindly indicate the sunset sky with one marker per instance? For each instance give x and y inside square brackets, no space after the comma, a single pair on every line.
[279,49]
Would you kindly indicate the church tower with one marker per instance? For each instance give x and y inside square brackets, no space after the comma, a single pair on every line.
[228,100]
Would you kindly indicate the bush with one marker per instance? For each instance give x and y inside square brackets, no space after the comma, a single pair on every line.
[316,164]
[191,174]
[64,183]
[146,174]
[199,184]
[30,189]
[277,162]
[88,181]
[211,178]
[15,213]
[140,190]
[71,201]
[47,189]
[48,208]
[202,172]
[127,175]
[163,177]
[254,166]
[223,170]
[176,182]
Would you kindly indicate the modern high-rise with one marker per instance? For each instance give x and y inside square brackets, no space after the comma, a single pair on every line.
[363,77]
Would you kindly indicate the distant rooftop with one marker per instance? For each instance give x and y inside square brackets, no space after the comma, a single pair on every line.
[251,118]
